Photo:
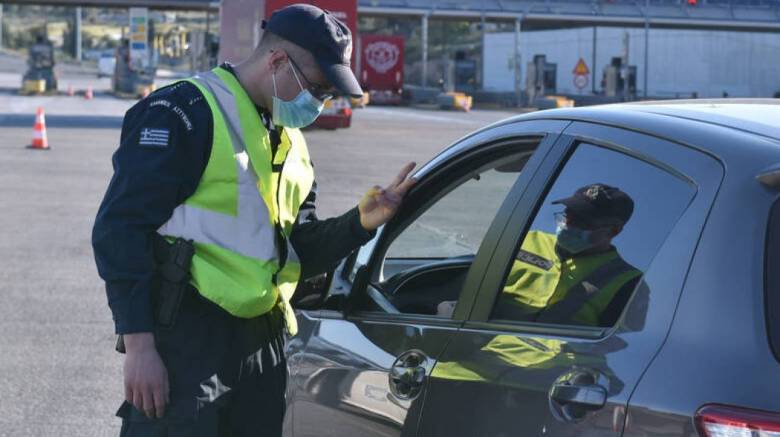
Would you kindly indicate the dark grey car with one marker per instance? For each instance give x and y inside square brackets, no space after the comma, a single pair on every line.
[410,337]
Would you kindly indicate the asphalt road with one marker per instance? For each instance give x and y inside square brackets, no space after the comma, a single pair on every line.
[60,376]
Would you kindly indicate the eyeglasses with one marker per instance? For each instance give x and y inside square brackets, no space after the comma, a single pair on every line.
[319,92]
[577,221]
[569,219]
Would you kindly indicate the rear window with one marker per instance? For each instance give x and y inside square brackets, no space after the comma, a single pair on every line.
[772,273]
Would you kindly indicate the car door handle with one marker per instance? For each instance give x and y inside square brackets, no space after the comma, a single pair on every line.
[407,374]
[414,375]
[587,396]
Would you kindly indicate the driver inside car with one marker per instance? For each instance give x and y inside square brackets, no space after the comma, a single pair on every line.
[575,276]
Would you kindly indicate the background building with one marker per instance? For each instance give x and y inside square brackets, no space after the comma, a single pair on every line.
[682,63]
[486,48]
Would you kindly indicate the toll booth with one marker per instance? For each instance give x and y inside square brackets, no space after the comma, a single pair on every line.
[540,77]
[465,73]
[131,80]
[458,78]
[40,77]
[619,80]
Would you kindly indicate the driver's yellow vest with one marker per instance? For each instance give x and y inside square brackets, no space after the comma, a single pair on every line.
[502,353]
[241,215]
[542,287]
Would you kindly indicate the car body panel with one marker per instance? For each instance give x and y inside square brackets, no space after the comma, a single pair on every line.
[517,365]
[340,363]
[341,379]
[717,350]
[695,332]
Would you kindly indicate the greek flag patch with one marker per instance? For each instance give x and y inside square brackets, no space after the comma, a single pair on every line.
[154,137]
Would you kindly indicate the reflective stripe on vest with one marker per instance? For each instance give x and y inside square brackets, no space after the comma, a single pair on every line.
[578,296]
[233,215]
[242,233]
[543,288]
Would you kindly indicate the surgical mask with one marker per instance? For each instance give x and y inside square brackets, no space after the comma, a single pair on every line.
[573,240]
[298,112]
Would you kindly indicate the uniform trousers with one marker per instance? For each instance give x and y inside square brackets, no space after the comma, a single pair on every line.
[227,375]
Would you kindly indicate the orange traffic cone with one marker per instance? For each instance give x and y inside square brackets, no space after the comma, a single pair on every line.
[88,95]
[70,90]
[39,139]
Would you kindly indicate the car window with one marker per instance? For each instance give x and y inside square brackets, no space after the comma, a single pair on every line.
[593,236]
[455,225]
[426,262]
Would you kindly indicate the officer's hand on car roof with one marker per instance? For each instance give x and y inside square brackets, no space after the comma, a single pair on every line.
[379,204]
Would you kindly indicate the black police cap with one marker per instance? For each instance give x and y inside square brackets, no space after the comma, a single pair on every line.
[600,203]
[322,35]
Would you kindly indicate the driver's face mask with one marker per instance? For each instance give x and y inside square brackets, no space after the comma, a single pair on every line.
[298,112]
[572,239]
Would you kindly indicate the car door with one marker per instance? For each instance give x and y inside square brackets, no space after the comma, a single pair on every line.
[519,373]
[360,364]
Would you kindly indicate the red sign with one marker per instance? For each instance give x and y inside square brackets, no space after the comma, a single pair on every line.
[381,62]
[344,10]
[581,69]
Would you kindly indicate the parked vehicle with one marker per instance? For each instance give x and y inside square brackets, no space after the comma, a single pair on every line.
[382,68]
[106,64]
[693,349]
[336,114]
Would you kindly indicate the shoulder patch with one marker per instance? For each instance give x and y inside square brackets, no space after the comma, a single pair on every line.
[154,137]
[534,260]
[176,110]
[183,116]
[160,102]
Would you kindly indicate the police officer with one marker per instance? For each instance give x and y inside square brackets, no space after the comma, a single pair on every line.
[575,276]
[218,160]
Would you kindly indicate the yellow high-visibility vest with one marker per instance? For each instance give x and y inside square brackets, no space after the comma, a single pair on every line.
[542,287]
[246,200]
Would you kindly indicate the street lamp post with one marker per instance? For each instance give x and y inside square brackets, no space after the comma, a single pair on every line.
[424,47]
[647,42]
[518,85]
[593,61]
[1,25]
[78,34]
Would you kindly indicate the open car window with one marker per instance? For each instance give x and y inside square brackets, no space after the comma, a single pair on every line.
[425,261]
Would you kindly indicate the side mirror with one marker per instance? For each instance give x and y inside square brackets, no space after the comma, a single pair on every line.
[311,293]
[336,289]
[359,284]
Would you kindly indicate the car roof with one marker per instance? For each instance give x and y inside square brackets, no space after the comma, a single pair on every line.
[754,124]
[685,121]
[757,116]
